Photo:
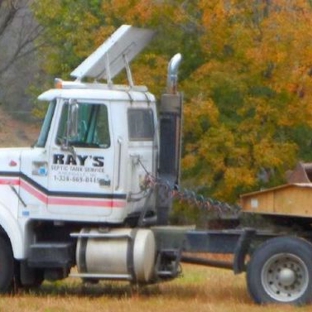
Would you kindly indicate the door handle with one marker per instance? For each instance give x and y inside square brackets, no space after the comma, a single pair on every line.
[119,143]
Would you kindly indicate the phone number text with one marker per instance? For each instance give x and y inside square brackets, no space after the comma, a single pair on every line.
[63,178]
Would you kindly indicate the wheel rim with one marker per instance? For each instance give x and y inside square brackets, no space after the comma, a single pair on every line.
[285,277]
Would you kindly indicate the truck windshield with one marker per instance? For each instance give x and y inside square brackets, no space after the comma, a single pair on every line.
[46,125]
[93,130]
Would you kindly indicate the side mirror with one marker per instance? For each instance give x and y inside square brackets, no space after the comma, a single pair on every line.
[72,122]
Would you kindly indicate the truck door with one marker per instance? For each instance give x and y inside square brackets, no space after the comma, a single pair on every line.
[80,178]
[142,154]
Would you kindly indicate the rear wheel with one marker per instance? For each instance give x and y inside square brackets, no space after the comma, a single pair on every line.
[6,266]
[280,271]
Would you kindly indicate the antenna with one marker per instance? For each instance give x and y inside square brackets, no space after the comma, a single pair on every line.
[129,74]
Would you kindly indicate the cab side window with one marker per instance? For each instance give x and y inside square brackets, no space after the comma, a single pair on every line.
[141,124]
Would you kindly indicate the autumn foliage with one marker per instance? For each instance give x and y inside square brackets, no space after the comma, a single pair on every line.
[246,76]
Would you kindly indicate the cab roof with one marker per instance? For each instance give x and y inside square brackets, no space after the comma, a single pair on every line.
[97,94]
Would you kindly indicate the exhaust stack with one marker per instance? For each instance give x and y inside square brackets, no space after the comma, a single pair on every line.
[170,137]
[172,79]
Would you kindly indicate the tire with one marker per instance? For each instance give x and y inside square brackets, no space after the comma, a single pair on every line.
[280,271]
[6,266]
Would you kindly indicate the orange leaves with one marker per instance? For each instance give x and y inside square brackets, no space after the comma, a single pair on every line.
[102,32]
[270,154]
[213,12]
[284,41]
[142,12]
[150,69]
[235,177]
[189,161]
[197,111]
[135,12]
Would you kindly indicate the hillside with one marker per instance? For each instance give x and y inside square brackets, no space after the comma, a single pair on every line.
[16,133]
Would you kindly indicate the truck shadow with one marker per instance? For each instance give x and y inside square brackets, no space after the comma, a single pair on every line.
[125,290]
[113,290]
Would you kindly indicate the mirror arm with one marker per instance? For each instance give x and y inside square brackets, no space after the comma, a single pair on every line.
[69,148]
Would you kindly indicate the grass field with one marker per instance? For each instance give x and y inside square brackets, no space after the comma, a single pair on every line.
[199,290]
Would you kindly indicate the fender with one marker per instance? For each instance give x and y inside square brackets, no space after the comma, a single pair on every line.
[14,231]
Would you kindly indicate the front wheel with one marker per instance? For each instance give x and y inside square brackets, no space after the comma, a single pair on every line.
[6,266]
[280,271]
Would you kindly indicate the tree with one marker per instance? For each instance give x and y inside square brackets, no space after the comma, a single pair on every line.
[18,32]
[16,24]
[258,76]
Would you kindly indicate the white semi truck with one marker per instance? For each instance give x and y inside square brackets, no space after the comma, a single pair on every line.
[77,196]
[94,192]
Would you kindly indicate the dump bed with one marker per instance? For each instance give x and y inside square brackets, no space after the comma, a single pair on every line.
[289,199]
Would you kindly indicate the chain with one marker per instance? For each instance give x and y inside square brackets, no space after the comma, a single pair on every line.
[201,202]
[206,203]
[167,190]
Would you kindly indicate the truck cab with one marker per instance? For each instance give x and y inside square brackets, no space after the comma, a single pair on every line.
[98,145]
[93,154]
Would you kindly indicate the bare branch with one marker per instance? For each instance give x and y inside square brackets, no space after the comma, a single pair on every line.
[25,48]
[8,16]
[23,33]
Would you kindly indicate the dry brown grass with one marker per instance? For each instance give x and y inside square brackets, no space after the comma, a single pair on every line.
[199,290]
